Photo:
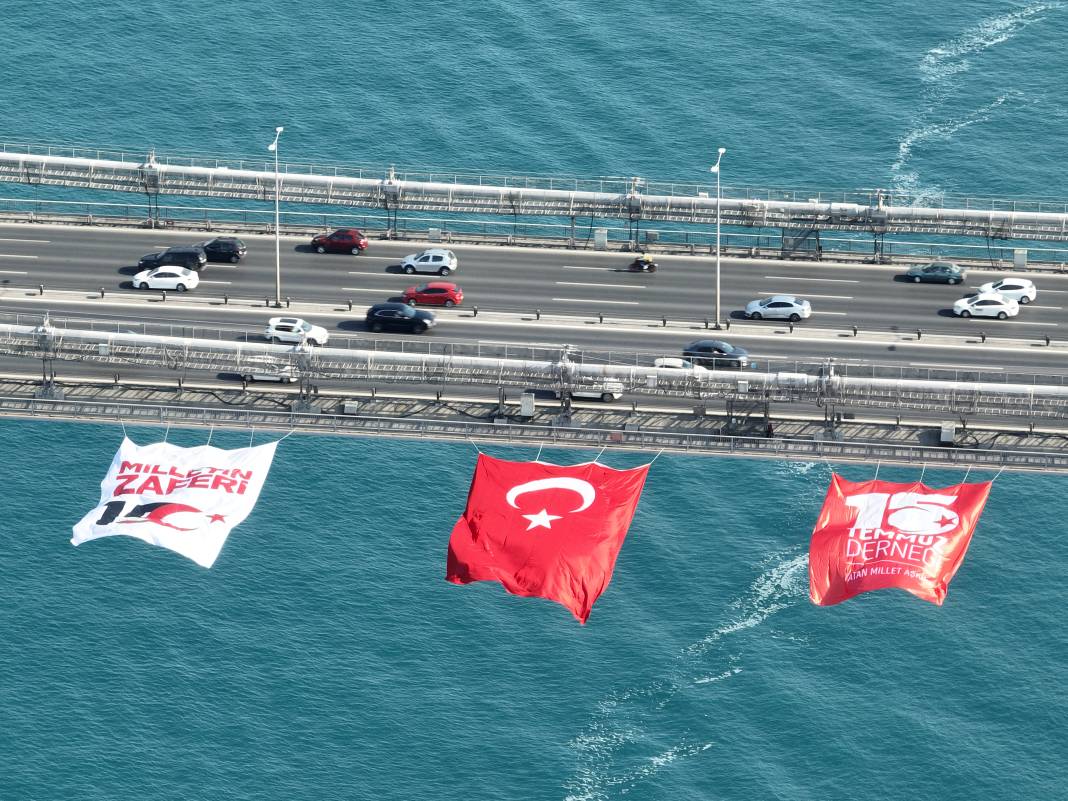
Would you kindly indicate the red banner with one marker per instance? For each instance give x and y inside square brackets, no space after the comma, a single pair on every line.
[873,535]
[544,530]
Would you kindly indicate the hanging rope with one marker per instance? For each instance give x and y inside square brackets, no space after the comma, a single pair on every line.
[124,435]
[252,436]
[536,458]
[288,433]
[656,457]
[598,456]
[210,432]
[167,432]
[877,466]
[966,472]
[998,473]
[922,471]
[475,446]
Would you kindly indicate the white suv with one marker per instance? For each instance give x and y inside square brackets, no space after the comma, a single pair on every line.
[433,260]
[295,330]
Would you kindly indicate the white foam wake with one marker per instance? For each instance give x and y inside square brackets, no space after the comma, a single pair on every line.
[940,69]
[620,747]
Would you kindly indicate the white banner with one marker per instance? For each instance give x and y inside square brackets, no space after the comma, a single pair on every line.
[185,499]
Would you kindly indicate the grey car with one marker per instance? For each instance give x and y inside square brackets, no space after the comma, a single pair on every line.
[937,272]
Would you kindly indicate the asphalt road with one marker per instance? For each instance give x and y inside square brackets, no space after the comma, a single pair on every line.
[571,287]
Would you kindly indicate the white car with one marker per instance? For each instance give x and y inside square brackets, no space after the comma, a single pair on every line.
[263,368]
[176,278]
[781,307]
[433,260]
[295,330]
[674,363]
[1019,289]
[986,304]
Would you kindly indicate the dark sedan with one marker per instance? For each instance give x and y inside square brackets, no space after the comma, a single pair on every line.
[715,353]
[225,248]
[937,272]
[399,317]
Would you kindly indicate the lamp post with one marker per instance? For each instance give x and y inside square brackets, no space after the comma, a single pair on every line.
[273,147]
[715,169]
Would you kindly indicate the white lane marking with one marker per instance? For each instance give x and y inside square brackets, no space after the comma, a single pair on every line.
[807,295]
[1054,308]
[606,286]
[1055,291]
[13,256]
[799,278]
[394,259]
[217,282]
[840,314]
[574,267]
[590,300]
[39,241]
[364,289]
[385,275]
[956,367]
[1021,322]
[13,272]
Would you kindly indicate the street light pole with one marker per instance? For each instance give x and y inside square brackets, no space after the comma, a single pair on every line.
[715,169]
[273,147]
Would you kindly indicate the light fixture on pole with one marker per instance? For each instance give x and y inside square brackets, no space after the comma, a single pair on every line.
[715,169]
[273,147]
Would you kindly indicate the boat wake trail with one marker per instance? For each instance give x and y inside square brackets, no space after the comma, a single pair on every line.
[624,742]
[941,70]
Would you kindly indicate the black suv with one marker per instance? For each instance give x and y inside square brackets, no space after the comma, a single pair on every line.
[224,248]
[717,354]
[192,258]
[399,317]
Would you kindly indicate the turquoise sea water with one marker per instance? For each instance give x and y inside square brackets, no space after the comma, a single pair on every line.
[324,656]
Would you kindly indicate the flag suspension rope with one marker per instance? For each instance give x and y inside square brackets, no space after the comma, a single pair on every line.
[210,432]
[922,471]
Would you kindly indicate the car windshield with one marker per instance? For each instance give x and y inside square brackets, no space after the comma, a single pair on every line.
[305,327]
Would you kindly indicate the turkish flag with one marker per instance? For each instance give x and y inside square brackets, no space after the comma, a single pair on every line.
[544,530]
[873,535]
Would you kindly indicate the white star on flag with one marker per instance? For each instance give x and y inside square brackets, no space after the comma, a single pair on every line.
[542,519]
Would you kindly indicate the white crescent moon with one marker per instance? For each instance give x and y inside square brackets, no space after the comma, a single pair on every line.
[583,488]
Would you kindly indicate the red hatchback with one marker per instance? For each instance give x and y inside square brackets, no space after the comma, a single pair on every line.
[343,240]
[435,293]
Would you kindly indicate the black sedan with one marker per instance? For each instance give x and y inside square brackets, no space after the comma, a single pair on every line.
[715,353]
[225,248]
[399,317]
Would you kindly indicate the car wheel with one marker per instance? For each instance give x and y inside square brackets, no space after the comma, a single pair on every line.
[795,318]
[444,271]
[408,269]
[287,379]
[449,304]
[320,249]
[965,313]
[235,259]
[915,279]
[248,378]
[142,285]
[376,327]
[419,328]
[180,287]
[411,302]
[754,316]
[953,281]
[607,397]
[1025,300]
[1002,315]
[355,251]
[736,365]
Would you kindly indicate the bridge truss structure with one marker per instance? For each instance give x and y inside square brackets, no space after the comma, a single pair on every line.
[873,212]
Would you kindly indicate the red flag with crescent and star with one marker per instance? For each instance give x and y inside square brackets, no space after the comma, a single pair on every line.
[544,530]
[873,535]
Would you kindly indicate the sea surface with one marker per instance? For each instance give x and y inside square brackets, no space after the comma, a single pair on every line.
[324,656]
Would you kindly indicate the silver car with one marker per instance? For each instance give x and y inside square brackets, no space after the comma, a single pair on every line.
[779,307]
[432,260]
